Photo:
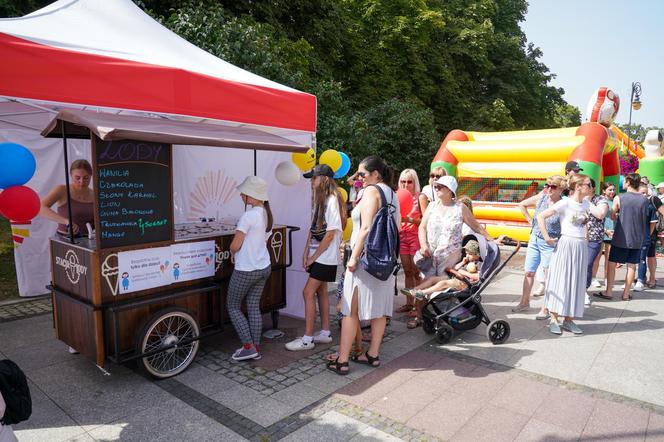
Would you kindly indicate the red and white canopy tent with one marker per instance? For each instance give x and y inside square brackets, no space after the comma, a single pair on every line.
[93,60]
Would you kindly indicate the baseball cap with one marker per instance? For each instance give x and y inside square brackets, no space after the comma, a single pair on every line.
[319,170]
[572,165]
[448,181]
[472,247]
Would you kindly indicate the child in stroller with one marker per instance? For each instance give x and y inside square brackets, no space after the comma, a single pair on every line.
[458,306]
[466,269]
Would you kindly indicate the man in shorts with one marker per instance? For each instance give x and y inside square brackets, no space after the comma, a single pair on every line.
[630,213]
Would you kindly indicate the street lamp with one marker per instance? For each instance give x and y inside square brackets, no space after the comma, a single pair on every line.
[634,103]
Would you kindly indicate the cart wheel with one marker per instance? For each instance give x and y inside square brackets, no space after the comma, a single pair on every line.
[428,327]
[444,333]
[168,327]
[498,331]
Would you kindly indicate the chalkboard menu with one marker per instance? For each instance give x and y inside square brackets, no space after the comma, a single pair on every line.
[133,191]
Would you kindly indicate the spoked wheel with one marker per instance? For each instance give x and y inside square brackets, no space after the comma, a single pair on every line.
[498,331]
[166,328]
[444,333]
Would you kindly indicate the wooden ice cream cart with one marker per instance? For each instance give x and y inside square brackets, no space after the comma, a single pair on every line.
[142,287]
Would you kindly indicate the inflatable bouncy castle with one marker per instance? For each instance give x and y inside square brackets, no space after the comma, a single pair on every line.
[498,170]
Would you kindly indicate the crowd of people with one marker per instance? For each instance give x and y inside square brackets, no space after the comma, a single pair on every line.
[573,226]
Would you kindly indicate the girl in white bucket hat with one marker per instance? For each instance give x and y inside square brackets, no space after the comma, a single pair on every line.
[252,266]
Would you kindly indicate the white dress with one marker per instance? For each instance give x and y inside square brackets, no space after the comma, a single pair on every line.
[375,297]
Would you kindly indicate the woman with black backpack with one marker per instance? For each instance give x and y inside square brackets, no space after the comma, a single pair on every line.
[368,290]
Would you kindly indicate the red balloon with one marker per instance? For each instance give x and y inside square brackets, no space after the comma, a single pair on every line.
[19,203]
[405,201]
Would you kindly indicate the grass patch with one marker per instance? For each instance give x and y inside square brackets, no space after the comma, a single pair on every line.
[8,285]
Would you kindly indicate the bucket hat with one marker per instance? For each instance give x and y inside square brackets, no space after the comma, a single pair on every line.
[448,181]
[254,187]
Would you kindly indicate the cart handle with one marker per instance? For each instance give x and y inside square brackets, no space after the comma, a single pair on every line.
[291,229]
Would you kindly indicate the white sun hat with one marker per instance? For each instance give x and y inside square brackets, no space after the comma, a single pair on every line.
[448,181]
[254,187]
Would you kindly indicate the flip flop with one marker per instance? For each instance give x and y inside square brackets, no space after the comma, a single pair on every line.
[602,295]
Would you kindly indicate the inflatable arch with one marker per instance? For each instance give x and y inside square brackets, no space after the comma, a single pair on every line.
[497,170]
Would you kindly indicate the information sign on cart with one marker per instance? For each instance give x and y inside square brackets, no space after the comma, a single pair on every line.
[133,192]
[192,260]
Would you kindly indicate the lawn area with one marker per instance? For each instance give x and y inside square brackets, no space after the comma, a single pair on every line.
[8,287]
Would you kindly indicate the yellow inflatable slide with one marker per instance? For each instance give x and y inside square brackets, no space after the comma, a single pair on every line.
[497,170]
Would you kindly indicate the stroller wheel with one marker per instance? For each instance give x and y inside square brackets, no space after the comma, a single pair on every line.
[498,331]
[427,326]
[444,333]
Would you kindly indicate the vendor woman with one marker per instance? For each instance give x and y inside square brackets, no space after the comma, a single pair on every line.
[82,198]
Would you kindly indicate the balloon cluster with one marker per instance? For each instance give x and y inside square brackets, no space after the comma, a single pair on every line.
[18,203]
[290,172]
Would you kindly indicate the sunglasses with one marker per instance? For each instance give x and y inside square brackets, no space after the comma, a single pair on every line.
[550,186]
[361,174]
[406,181]
[438,187]
[433,175]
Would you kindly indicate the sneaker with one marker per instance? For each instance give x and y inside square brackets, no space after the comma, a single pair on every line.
[520,308]
[242,354]
[73,351]
[570,326]
[541,316]
[320,338]
[587,302]
[595,283]
[540,290]
[639,287]
[298,344]
[554,327]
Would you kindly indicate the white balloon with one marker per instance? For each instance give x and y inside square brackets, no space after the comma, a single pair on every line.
[287,173]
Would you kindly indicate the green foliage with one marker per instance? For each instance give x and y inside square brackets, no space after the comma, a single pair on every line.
[637,131]
[439,65]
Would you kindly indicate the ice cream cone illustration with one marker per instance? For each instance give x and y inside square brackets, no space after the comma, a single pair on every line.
[109,270]
[277,244]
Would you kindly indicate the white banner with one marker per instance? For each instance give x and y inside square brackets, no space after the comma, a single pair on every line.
[143,269]
[192,260]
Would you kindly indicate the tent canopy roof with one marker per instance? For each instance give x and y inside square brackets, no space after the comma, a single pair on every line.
[111,55]
[79,124]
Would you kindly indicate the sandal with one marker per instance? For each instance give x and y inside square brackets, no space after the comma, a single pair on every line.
[603,296]
[370,361]
[628,298]
[405,308]
[651,285]
[414,323]
[336,367]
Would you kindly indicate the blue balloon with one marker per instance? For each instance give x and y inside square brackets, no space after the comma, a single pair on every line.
[345,166]
[17,165]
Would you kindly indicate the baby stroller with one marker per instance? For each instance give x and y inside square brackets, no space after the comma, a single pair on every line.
[462,310]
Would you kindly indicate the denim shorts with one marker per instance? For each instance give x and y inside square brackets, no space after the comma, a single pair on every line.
[537,254]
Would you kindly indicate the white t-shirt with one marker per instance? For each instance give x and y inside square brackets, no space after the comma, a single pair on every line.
[333,220]
[6,432]
[573,216]
[253,254]
[430,193]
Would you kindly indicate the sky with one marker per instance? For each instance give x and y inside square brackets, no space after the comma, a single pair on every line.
[603,43]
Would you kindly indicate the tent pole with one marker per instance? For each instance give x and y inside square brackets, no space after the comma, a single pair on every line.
[255,163]
[64,145]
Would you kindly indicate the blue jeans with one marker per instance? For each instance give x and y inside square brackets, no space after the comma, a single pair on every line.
[538,254]
[594,247]
[643,262]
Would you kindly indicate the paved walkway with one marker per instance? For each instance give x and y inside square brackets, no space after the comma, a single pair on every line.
[604,385]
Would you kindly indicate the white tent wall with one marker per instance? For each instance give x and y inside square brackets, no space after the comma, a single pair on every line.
[194,190]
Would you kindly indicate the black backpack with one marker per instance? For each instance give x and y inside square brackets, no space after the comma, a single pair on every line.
[15,392]
[381,248]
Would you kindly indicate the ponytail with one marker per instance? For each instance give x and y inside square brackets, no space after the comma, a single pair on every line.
[266,206]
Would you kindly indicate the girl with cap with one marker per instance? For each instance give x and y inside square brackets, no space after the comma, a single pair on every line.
[321,255]
[252,266]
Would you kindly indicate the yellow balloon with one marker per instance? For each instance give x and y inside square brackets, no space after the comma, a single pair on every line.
[348,230]
[304,161]
[344,194]
[332,158]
